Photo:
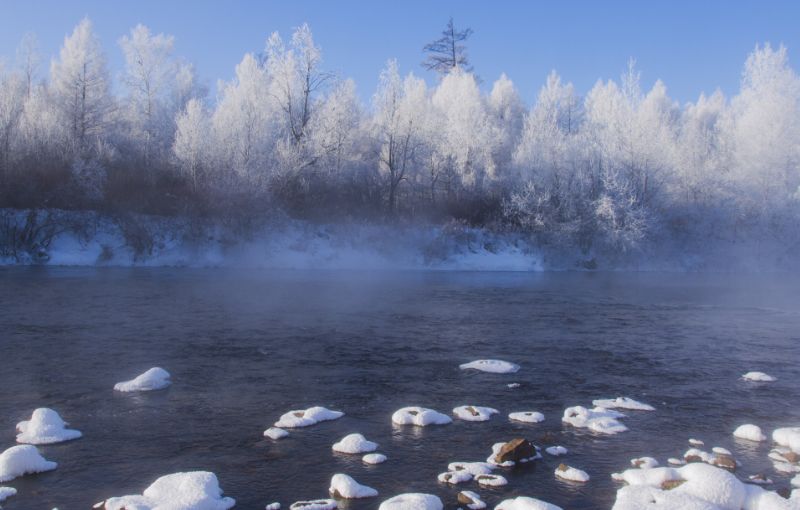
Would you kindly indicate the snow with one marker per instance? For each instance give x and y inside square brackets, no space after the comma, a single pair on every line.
[675,462]
[194,490]
[315,504]
[526,503]
[749,432]
[494,366]
[21,460]
[419,416]
[476,503]
[45,427]
[7,492]
[526,416]
[796,481]
[454,477]
[789,437]
[307,417]
[154,379]
[473,468]
[491,480]
[571,474]
[622,403]
[354,443]
[513,385]
[344,486]
[721,451]
[373,458]
[273,506]
[474,413]
[644,462]
[412,501]
[760,479]
[696,442]
[599,419]
[556,450]
[758,377]
[509,463]
[275,433]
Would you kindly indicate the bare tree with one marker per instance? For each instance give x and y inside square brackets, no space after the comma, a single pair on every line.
[448,52]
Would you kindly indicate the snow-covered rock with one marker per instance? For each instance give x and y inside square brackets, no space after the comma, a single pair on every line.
[419,416]
[454,477]
[760,479]
[622,403]
[644,462]
[517,450]
[721,451]
[491,480]
[672,461]
[373,458]
[194,490]
[307,417]
[788,437]
[513,385]
[526,503]
[275,433]
[154,379]
[494,366]
[354,443]
[571,474]
[7,492]
[45,427]
[473,468]
[471,500]
[758,377]
[474,413]
[526,416]
[599,419]
[556,450]
[696,442]
[315,504]
[749,432]
[22,460]
[345,487]
[412,501]
[273,506]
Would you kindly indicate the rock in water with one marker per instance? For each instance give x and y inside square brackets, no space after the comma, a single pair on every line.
[516,450]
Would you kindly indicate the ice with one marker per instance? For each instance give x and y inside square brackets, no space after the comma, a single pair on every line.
[474,413]
[526,503]
[45,427]
[472,500]
[373,458]
[622,403]
[599,419]
[194,490]
[315,504]
[789,437]
[307,417]
[556,450]
[749,432]
[343,486]
[354,443]
[526,416]
[154,379]
[491,480]
[494,366]
[571,474]
[758,377]
[275,433]
[7,492]
[21,460]
[419,416]
[412,501]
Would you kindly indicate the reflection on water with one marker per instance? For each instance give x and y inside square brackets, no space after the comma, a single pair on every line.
[243,348]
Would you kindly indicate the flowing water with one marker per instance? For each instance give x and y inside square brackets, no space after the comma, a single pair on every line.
[245,347]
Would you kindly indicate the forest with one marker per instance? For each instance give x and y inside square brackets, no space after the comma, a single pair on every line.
[611,170]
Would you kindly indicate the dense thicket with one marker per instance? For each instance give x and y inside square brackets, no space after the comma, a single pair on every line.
[605,170]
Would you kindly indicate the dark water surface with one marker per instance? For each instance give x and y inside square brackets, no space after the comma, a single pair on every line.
[245,347]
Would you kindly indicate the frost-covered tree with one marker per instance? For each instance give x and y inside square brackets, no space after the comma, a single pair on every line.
[12,101]
[449,51]
[28,60]
[192,136]
[506,114]
[336,130]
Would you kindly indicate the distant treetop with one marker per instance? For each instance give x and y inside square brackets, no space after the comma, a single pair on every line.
[448,52]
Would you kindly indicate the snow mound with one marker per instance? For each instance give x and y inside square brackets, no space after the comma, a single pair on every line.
[474,413]
[644,462]
[758,377]
[622,403]
[599,419]
[556,450]
[419,416]
[695,442]
[721,451]
[526,416]
[7,492]
[491,480]
[373,458]
[154,379]
[275,433]
[473,468]
[454,477]
[749,432]
[526,503]
[315,504]
[676,462]
[513,385]
[412,501]
[45,427]
[22,460]
[788,437]
[497,448]
[472,500]
[571,474]
[194,490]
[273,506]
[494,366]
[344,487]
[307,417]
[354,443]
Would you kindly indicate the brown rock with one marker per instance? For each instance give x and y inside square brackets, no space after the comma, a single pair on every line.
[562,467]
[791,457]
[671,484]
[692,458]
[725,462]
[473,411]
[785,492]
[464,499]
[515,450]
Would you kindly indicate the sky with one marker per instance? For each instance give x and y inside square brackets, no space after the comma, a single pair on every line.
[693,46]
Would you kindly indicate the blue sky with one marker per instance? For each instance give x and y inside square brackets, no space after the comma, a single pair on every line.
[693,46]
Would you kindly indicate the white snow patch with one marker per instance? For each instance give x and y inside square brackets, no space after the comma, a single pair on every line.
[789,437]
[22,460]
[419,416]
[273,506]
[599,419]
[571,474]
[721,451]
[373,458]
[154,379]
[275,433]
[676,462]
[749,432]
[644,462]
[556,450]
[622,403]
[526,503]
[343,486]
[696,442]
[473,468]
[307,417]
[194,490]
[474,413]
[477,502]
[315,504]
[494,366]
[412,501]
[513,385]
[354,443]
[526,416]
[491,480]
[758,377]
[45,427]
[454,477]
[7,492]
